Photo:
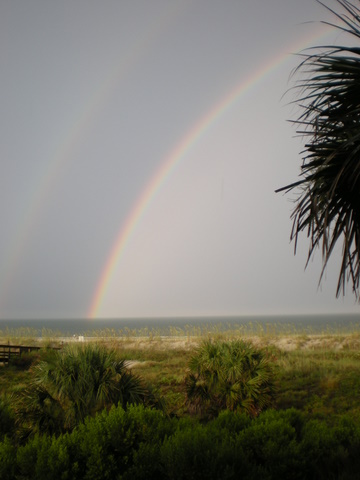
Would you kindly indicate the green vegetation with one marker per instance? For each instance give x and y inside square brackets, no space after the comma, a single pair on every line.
[69,385]
[86,428]
[142,443]
[230,375]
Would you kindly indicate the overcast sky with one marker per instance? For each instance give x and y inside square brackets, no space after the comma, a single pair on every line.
[96,98]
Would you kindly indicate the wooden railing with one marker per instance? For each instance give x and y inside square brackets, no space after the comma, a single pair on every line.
[8,351]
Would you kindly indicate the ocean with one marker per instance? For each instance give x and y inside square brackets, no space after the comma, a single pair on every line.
[334,323]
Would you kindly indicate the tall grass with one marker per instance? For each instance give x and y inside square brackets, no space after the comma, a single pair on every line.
[318,372]
[23,335]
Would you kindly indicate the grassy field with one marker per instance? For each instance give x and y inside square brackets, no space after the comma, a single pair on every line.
[318,374]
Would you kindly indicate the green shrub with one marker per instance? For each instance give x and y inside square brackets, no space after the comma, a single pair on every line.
[101,448]
[190,454]
[7,418]
[46,457]
[77,382]
[140,443]
[194,451]
[7,460]
[32,458]
[271,441]
[231,422]
[106,444]
[332,452]
[230,375]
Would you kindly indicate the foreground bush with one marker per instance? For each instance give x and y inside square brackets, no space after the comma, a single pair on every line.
[75,383]
[7,419]
[141,443]
[230,375]
[101,448]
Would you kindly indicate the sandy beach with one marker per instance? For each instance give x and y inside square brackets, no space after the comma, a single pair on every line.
[282,342]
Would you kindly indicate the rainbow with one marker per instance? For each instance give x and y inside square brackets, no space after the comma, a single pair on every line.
[180,151]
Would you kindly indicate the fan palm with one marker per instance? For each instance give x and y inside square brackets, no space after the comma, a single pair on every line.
[230,375]
[77,382]
[328,205]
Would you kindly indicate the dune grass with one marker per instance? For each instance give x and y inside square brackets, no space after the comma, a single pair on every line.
[318,373]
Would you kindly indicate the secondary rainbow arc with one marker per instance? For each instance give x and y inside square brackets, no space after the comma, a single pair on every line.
[77,129]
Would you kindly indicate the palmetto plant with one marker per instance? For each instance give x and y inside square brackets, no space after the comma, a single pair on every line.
[77,382]
[230,375]
[328,205]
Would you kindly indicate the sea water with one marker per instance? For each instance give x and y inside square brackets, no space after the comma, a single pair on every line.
[331,323]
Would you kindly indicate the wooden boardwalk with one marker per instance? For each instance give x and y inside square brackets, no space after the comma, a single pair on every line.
[7,351]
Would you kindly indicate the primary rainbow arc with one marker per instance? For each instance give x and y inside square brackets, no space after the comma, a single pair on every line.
[168,164]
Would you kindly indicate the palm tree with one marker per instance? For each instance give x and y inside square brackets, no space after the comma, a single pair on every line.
[77,382]
[328,205]
[230,375]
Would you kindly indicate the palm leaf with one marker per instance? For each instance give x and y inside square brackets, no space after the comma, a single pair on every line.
[328,203]
[232,375]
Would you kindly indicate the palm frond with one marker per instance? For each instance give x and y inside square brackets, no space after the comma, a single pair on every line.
[79,381]
[328,203]
[240,378]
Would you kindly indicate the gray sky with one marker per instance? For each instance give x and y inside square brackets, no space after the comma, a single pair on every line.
[96,98]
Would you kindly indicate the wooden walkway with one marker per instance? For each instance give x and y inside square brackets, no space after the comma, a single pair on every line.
[7,351]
